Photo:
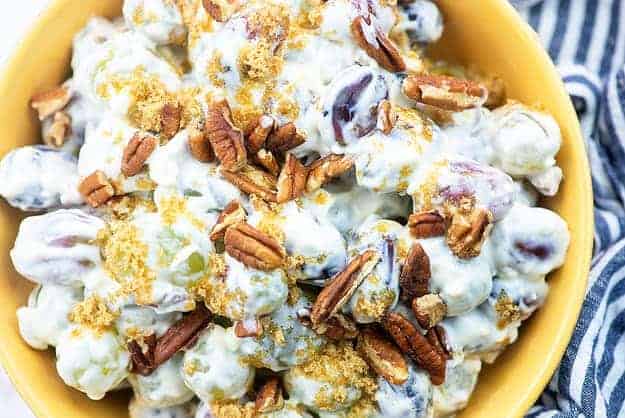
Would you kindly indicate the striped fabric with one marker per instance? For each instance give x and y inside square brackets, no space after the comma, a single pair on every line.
[586,38]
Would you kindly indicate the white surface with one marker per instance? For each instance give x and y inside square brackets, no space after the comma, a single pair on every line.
[13,24]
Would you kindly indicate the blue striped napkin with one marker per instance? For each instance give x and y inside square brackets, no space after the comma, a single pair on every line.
[586,38]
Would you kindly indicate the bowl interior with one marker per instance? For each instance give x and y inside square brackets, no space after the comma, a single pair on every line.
[490,36]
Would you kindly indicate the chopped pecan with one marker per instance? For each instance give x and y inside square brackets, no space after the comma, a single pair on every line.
[416,346]
[49,102]
[444,92]
[429,310]
[248,328]
[269,397]
[182,334]
[232,214]
[258,133]
[468,230]
[325,169]
[251,180]
[59,130]
[284,139]
[338,327]
[377,44]
[426,224]
[496,93]
[142,355]
[268,161]
[383,356]
[438,339]
[507,311]
[253,248]
[292,180]
[386,117]
[96,189]
[342,286]
[415,273]
[200,146]
[220,10]
[136,153]
[225,138]
[171,115]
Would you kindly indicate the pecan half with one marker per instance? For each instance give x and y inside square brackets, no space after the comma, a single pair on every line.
[386,117]
[251,180]
[142,355]
[415,275]
[96,189]
[377,44]
[258,133]
[248,328]
[253,248]
[292,180]
[416,346]
[438,339]
[49,102]
[225,138]
[268,161]
[200,146]
[284,139]
[383,356]
[220,10]
[444,92]
[171,115]
[426,224]
[338,327]
[182,334]
[429,310]
[468,230]
[59,130]
[325,169]
[269,397]
[342,286]
[136,153]
[232,214]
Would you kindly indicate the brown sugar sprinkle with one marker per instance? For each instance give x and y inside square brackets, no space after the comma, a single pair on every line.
[94,314]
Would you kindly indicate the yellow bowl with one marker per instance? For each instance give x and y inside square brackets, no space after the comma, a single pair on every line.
[487,33]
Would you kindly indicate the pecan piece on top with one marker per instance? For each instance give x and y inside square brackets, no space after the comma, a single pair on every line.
[386,117]
[258,133]
[49,102]
[171,115]
[325,169]
[438,339]
[142,355]
[383,356]
[292,180]
[338,327]
[377,44]
[251,180]
[415,275]
[342,286]
[426,224]
[468,230]
[59,130]
[416,346]
[429,310]
[444,92]
[96,189]
[232,214]
[268,161]
[269,397]
[220,10]
[284,139]
[199,145]
[136,153]
[182,334]
[253,248]
[225,138]
[248,328]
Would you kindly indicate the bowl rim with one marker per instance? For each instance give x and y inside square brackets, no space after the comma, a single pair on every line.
[10,70]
